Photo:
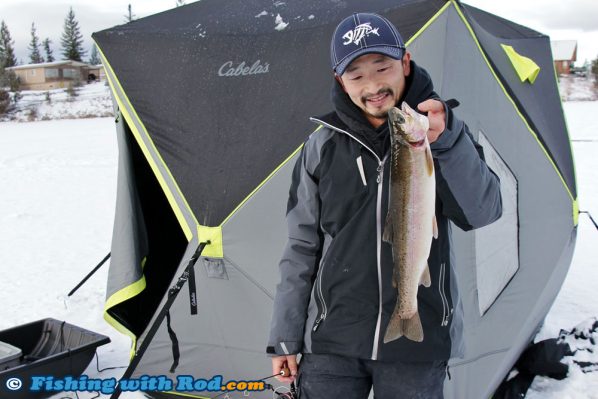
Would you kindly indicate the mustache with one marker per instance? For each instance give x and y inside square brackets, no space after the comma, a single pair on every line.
[384,90]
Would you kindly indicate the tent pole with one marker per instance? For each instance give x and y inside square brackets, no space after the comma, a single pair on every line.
[172,294]
[95,269]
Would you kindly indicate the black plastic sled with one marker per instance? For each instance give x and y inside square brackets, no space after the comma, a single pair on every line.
[45,347]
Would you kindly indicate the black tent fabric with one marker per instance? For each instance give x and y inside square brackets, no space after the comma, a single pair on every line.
[212,116]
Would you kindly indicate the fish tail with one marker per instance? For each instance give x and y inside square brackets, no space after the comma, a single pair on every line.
[410,328]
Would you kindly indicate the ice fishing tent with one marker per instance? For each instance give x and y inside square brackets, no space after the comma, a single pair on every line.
[213,101]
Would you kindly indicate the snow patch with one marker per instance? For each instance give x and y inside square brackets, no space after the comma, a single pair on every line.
[262,14]
[280,24]
[577,88]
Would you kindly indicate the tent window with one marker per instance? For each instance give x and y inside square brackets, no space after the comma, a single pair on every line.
[497,245]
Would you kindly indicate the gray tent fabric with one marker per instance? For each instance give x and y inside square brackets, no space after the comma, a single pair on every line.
[497,245]
[210,157]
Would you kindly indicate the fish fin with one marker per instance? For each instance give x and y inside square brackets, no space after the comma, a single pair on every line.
[412,328]
[425,279]
[394,330]
[409,328]
[388,231]
[429,161]
[434,227]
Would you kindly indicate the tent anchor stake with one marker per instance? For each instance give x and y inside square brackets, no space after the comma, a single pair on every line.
[172,294]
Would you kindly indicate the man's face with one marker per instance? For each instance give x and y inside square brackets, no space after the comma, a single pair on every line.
[375,83]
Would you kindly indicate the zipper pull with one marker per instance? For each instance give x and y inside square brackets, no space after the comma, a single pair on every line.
[322,317]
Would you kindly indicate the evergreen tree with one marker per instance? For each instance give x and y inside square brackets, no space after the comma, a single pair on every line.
[94,59]
[48,50]
[7,51]
[594,71]
[72,39]
[34,54]
[130,16]
[180,3]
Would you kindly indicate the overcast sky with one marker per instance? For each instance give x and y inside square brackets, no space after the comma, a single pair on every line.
[560,19]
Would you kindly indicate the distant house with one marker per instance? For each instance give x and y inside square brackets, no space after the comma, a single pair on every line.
[564,54]
[57,74]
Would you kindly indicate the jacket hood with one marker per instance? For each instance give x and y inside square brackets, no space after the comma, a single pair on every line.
[347,116]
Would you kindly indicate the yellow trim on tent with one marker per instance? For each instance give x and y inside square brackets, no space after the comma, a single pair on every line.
[468,26]
[576,203]
[124,106]
[575,212]
[430,21]
[120,296]
[525,67]
[214,234]
[121,329]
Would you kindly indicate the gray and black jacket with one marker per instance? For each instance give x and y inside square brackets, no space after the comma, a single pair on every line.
[335,294]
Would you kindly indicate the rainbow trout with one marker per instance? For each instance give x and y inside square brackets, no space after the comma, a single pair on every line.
[411,221]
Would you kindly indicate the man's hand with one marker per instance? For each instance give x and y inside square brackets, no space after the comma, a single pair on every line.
[281,362]
[436,116]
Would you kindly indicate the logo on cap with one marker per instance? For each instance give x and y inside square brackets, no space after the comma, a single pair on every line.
[364,30]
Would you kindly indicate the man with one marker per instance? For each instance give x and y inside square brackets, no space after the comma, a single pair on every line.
[335,296]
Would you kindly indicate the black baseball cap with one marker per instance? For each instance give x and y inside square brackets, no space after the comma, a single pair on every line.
[364,33]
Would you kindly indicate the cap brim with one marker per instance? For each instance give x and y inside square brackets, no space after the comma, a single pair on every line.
[392,52]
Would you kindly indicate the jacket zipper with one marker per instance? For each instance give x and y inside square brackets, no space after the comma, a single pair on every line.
[320,295]
[379,180]
[446,311]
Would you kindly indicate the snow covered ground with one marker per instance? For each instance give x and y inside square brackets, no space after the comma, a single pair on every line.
[57,209]
[91,101]
[577,88]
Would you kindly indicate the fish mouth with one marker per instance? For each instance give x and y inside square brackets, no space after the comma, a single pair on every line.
[417,144]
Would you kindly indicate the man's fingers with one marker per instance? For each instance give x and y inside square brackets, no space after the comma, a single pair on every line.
[279,363]
[431,105]
[292,364]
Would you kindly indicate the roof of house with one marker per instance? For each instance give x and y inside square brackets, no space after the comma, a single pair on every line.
[48,64]
[563,50]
